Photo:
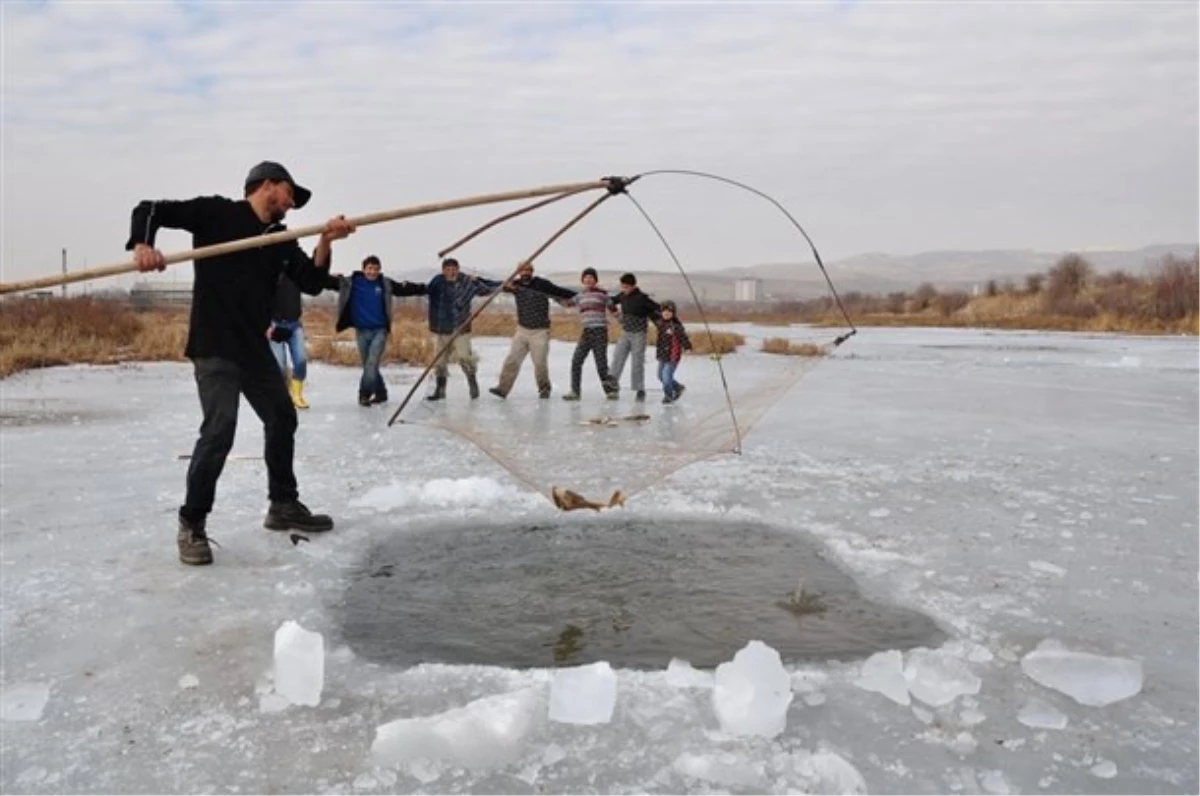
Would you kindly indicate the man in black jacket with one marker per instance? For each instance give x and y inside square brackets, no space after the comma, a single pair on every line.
[636,310]
[533,296]
[227,342]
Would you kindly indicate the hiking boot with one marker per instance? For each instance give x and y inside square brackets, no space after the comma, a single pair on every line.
[473,386]
[571,396]
[544,393]
[641,395]
[364,399]
[496,392]
[193,543]
[612,395]
[292,515]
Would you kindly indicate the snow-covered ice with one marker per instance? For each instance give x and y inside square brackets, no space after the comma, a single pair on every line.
[1089,679]
[584,694]
[751,693]
[938,468]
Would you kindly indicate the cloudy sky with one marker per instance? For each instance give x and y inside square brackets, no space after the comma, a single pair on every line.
[894,127]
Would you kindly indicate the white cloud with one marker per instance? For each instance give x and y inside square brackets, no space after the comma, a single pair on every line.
[893,127]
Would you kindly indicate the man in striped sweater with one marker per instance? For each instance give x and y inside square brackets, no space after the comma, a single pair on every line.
[593,312]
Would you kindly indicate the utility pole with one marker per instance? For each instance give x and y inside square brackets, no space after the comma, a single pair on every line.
[64,266]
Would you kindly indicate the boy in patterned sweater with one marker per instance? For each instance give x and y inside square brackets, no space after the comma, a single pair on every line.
[673,340]
[593,311]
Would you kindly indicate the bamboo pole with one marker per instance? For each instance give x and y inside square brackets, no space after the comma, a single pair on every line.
[303,232]
[501,219]
[483,305]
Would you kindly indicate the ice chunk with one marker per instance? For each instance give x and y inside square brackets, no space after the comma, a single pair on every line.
[1093,680]
[681,675]
[1047,568]
[938,679]
[834,774]
[299,664]
[23,701]
[971,717]
[751,693]
[725,768]
[883,672]
[1042,715]
[482,734]
[1105,769]
[994,782]
[584,694]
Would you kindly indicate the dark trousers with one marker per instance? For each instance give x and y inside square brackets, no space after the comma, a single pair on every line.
[221,382]
[594,341]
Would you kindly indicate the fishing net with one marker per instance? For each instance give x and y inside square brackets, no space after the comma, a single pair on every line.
[596,452]
[596,448]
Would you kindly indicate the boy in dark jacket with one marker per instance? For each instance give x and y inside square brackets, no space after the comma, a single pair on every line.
[673,340]
[365,303]
[450,296]
[636,310]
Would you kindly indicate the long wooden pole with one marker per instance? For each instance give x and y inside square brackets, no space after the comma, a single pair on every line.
[483,305]
[302,232]
[506,217]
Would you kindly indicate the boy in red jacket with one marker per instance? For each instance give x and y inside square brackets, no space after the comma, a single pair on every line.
[672,342]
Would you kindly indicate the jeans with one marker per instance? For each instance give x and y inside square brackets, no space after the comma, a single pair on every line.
[220,383]
[666,375]
[631,345]
[294,346]
[371,344]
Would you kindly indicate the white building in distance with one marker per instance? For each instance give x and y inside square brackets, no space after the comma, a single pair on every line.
[748,289]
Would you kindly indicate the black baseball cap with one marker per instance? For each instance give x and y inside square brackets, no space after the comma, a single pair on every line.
[268,170]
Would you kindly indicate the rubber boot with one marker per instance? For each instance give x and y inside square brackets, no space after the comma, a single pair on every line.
[296,387]
[473,385]
[439,391]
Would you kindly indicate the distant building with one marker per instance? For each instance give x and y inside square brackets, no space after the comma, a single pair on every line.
[748,290]
[157,294]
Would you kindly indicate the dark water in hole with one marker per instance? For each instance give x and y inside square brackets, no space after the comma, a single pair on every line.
[634,593]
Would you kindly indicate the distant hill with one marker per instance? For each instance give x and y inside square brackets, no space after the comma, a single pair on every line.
[873,272]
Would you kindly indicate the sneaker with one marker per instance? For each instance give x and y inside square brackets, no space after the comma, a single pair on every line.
[292,515]
[496,392]
[571,396]
[679,388]
[364,400]
[193,543]
[641,395]
[668,399]
[544,394]
[612,395]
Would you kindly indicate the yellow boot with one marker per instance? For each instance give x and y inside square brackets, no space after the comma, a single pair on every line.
[296,388]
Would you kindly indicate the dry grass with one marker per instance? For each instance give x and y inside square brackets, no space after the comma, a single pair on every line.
[781,345]
[38,333]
